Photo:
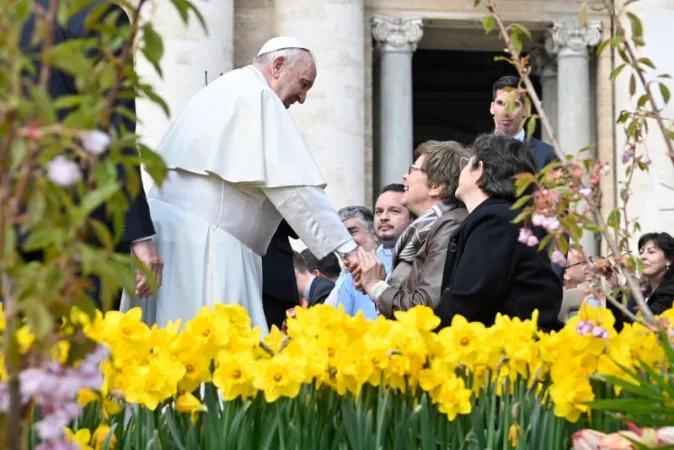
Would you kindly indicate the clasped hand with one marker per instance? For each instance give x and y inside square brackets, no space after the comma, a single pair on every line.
[365,268]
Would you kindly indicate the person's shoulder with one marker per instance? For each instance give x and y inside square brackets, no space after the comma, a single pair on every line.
[542,147]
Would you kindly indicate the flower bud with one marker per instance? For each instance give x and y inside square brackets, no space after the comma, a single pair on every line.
[94,141]
[665,435]
[587,440]
[63,172]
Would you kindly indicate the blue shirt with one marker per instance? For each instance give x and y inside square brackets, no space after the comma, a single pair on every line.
[354,300]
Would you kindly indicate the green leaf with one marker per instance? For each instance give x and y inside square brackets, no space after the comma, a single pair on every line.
[42,239]
[646,62]
[525,31]
[637,27]
[153,48]
[521,216]
[664,90]
[70,58]
[70,101]
[96,198]
[642,101]
[22,10]
[633,85]
[613,220]
[531,126]
[42,103]
[615,72]
[102,234]
[153,163]
[516,39]
[488,23]
[602,46]
[521,202]
[151,94]
[40,321]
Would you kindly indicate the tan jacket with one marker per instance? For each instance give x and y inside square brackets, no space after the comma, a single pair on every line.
[420,283]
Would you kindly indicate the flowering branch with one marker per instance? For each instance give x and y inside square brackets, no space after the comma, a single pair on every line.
[633,61]
[521,64]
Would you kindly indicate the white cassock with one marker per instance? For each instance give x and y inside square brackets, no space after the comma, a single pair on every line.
[238,165]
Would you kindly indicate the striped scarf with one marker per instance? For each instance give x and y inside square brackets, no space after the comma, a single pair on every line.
[415,234]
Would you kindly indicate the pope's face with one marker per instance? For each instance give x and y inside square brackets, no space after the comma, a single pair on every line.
[292,82]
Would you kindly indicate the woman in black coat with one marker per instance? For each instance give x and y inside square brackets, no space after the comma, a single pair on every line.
[488,270]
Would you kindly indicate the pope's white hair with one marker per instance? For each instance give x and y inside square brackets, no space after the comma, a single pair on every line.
[291,55]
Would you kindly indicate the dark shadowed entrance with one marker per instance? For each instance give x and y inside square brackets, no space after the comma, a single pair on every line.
[452,93]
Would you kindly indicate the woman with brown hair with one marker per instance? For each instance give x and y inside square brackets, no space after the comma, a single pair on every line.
[420,252]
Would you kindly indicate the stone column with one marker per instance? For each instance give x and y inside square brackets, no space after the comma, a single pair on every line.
[397,40]
[570,42]
[332,117]
[191,59]
[545,66]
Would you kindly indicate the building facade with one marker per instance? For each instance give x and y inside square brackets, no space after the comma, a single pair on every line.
[393,73]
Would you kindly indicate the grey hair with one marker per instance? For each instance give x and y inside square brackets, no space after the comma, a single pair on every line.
[291,55]
[358,212]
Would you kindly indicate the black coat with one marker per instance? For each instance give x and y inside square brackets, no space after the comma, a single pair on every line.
[658,302]
[279,287]
[138,221]
[544,153]
[319,290]
[488,271]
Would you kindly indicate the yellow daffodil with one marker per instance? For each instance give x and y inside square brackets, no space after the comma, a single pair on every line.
[82,438]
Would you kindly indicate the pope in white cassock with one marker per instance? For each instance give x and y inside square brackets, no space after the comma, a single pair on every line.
[237,166]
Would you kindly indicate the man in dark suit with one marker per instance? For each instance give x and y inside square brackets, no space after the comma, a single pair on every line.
[509,120]
[313,290]
[138,228]
[279,287]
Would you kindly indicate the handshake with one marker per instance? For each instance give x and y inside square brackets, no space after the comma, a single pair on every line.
[365,268]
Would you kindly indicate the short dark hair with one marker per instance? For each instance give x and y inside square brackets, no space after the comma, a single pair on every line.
[664,242]
[502,158]
[443,167]
[309,259]
[393,187]
[504,82]
[329,266]
[299,263]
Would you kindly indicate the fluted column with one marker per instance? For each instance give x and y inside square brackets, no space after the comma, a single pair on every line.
[191,59]
[570,42]
[574,108]
[332,117]
[397,40]
[545,66]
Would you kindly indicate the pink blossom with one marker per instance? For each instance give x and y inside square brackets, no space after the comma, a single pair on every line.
[558,258]
[525,233]
[605,170]
[537,219]
[628,154]
[63,172]
[532,241]
[587,440]
[551,224]
[51,426]
[94,141]
[585,192]
[647,160]
[665,435]
[60,444]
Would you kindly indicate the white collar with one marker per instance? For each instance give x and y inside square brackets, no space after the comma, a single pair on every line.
[520,136]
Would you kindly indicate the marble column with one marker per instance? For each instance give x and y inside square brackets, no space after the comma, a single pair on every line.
[397,40]
[332,117]
[192,58]
[545,67]
[570,41]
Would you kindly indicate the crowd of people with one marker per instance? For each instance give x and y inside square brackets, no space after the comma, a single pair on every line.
[242,183]
[240,187]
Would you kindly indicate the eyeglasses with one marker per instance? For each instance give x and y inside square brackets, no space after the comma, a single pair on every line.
[414,167]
